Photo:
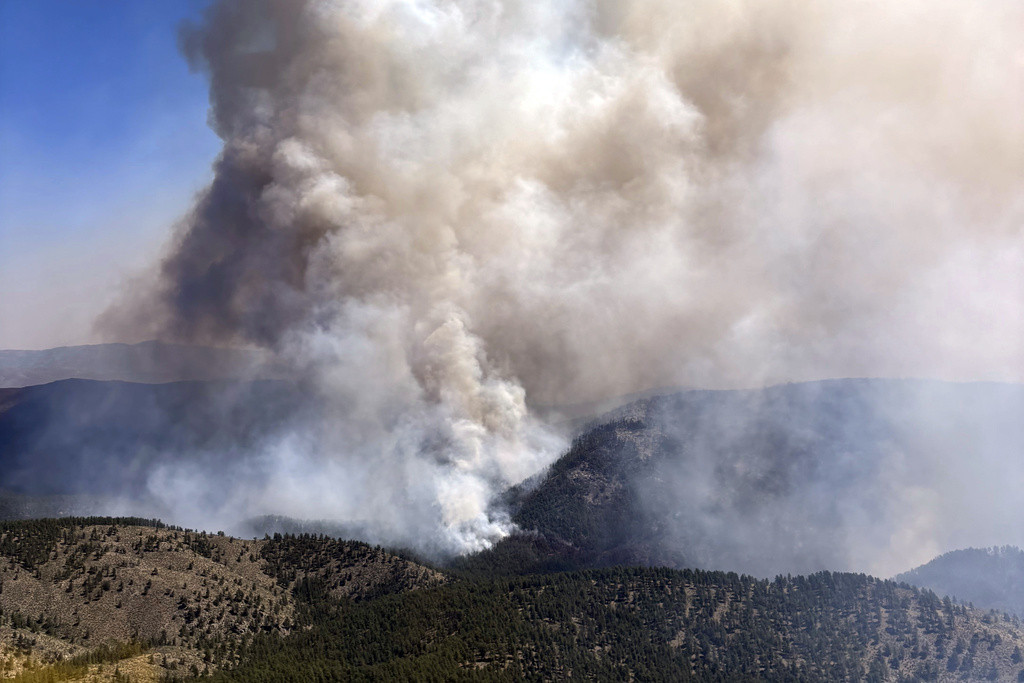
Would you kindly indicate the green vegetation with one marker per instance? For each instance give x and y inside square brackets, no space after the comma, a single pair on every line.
[639,624]
[312,608]
[78,667]
[343,568]
[31,542]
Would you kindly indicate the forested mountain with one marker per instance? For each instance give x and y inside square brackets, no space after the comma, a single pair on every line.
[144,362]
[988,577]
[789,479]
[616,572]
[646,625]
[117,600]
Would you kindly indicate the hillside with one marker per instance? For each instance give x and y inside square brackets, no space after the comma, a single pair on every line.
[107,438]
[991,578]
[779,482]
[645,625]
[144,362]
[789,479]
[120,599]
[70,587]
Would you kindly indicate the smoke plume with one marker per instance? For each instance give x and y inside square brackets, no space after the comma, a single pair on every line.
[867,475]
[443,211]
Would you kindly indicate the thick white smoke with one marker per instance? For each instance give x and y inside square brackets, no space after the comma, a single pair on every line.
[440,209]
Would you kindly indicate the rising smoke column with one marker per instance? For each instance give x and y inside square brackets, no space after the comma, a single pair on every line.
[438,209]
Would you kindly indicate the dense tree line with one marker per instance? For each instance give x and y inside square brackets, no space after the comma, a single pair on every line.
[350,568]
[632,623]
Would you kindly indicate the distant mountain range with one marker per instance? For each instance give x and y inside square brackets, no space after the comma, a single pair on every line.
[148,362]
[88,438]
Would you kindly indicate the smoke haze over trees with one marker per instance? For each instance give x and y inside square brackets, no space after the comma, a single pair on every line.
[438,213]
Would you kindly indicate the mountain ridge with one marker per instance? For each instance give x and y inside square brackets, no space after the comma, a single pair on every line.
[990,578]
[150,362]
[790,479]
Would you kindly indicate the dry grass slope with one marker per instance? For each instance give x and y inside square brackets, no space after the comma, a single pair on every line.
[191,598]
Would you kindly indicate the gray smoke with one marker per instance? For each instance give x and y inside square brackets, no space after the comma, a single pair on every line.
[872,476]
[445,210]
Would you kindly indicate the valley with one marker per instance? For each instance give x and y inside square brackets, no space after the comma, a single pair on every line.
[662,545]
[119,599]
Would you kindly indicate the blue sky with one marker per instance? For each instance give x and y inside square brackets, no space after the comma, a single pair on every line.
[103,143]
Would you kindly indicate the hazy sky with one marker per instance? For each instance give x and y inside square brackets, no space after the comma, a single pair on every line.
[103,142]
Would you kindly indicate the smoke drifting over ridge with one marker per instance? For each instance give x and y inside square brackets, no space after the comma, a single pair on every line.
[439,210]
